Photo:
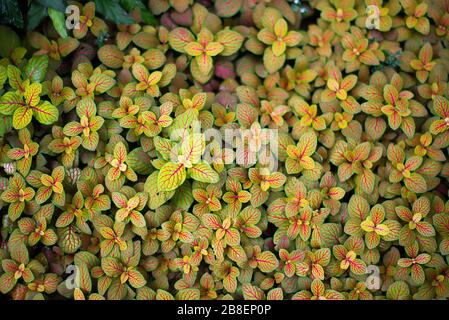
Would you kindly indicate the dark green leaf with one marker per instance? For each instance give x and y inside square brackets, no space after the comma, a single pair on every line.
[58,5]
[36,14]
[146,15]
[10,41]
[10,13]
[111,10]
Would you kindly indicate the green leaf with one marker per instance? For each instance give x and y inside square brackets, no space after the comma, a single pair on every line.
[111,266]
[36,14]
[69,240]
[10,14]
[171,176]
[111,10]
[251,292]
[22,117]
[58,5]
[58,19]
[7,282]
[188,294]
[46,113]
[36,68]
[5,125]
[146,16]
[204,173]
[398,291]
[9,103]
[266,261]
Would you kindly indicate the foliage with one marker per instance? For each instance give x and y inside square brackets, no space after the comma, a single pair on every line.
[115,159]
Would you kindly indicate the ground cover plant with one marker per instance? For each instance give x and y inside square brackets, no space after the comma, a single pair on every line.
[229,149]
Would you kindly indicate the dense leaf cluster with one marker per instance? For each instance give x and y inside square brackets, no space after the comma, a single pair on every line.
[103,150]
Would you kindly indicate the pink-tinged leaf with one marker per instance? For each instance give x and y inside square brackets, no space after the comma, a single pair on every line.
[417,274]
[302,295]
[137,219]
[425,229]
[358,207]
[136,279]
[267,261]
[111,56]
[358,267]
[7,282]
[333,295]
[251,292]
[188,294]
[345,171]
[179,38]
[272,62]
[231,41]
[9,265]
[367,181]
[246,114]
[111,266]
[444,246]
[211,221]
[232,237]
[275,294]
[227,8]
[102,82]
[416,183]
[258,196]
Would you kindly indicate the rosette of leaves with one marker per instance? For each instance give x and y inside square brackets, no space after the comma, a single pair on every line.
[180,226]
[55,49]
[391,100]
[299,157]
[359,51]
[403,169]
[300,77]
[273,40]
[203,47]
[37,228]
[89,82]
[416,16]
[129,204]
[124,271]
[417,225]
[23,100]
[89,22]
[113,238]
[65,145]
[18,268]
[118,167]
[440,126]
[338,90]
[413,264]
[48,186]
[422,63]
[88,125]
[346,257]
[183,157]
[371,223]
[386,11]
[354,158]
[17,194]
[23,156]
